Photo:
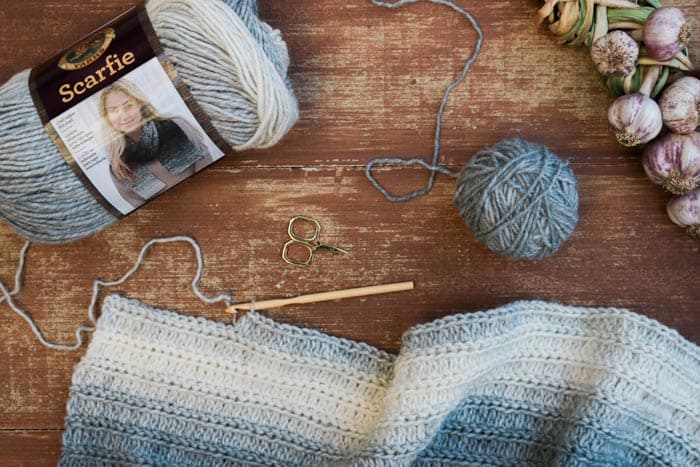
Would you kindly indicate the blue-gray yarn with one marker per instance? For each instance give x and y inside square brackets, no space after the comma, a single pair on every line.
[518,198]
[433,166]
[44,201]
[528,384]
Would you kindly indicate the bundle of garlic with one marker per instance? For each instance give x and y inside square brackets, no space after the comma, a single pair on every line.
[640,48]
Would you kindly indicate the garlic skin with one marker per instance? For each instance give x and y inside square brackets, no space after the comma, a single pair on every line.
[680,105]
[665,33]
[673,162]
[684,211]
[634,119]
[615,53]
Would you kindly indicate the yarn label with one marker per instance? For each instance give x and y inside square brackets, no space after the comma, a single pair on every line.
[121,117]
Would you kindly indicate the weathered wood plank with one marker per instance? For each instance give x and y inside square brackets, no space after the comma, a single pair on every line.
[369,82]
[615,258]
[30,449]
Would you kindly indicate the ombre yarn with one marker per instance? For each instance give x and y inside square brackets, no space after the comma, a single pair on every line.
[236,68]
[527,384]
[518,198]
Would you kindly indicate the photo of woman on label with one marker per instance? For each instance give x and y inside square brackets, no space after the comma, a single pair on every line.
[148,152]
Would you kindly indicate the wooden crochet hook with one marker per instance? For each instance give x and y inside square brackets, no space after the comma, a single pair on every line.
[323,297]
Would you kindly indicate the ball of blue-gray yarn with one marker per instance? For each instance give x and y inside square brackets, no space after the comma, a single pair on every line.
[518,198]
[235,66]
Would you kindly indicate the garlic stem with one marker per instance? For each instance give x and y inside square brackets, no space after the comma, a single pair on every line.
[675,63]
[584,30]
[636,34]
[601,22]
[568,15]
[578,34]
[615,83]
[627,83]
[617,3]
[683,58]
[651,74]
[629,25]
[661,82]
[546,10]
[635,14]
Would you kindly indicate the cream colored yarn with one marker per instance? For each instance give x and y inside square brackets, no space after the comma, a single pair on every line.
[235,66]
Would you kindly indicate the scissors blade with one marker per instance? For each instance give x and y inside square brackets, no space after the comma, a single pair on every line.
[334,249]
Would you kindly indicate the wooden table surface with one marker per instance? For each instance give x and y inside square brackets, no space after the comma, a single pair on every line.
[369,81]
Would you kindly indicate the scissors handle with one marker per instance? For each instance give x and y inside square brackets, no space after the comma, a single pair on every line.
[315,238]
[312,243]
[288,259]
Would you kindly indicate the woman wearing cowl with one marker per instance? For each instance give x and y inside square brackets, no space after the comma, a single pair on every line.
[148,152]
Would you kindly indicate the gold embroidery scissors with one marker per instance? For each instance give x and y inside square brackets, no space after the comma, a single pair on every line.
[311,243]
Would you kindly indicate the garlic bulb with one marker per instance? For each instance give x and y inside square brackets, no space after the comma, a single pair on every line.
[685,212]
[674,162]
[680,105]
[634,119]
[665,33]
[615,53]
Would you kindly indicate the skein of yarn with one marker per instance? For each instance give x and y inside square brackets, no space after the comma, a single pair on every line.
[518,198]
[235,66]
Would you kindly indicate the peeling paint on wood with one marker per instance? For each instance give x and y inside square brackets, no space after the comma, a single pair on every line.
[369,82]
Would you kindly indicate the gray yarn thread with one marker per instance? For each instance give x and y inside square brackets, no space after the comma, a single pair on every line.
[43,200]
[97,285]
[517,197]
[433,166]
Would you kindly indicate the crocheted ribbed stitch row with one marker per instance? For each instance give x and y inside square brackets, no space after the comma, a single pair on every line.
[530,383]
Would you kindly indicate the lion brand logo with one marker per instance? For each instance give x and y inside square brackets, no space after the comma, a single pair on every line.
[87,51]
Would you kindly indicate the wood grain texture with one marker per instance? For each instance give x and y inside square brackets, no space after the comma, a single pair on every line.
[369,82]
[31,448]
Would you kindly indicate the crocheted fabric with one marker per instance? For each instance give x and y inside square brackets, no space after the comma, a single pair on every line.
[530,383]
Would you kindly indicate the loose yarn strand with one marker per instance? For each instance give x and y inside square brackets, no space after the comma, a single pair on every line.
[7,296]
[18,273]
[98,284]
[433,166]
[517,197]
